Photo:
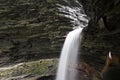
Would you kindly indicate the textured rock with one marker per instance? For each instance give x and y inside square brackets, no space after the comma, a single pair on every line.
[102,33]
[31,28]
[101,36]
[30,70]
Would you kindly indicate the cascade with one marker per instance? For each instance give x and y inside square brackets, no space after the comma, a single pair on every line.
[69,54]
[68,59]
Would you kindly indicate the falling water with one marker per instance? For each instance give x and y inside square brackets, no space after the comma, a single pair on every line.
[68,60]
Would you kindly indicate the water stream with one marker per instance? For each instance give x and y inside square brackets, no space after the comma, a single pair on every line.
[69,54]
[68,59]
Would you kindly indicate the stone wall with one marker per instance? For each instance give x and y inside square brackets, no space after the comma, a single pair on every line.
[31,29]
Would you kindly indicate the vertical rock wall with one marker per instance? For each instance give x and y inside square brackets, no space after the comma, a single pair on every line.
[31,29]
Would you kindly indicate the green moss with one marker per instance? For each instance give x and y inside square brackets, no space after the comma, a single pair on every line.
[36,68]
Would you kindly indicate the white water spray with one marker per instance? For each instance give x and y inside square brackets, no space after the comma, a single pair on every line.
[68,59]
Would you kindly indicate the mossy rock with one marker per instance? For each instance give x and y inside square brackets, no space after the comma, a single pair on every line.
[34,68]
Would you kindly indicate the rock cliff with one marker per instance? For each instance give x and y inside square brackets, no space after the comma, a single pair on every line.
[32,29]
[103,31]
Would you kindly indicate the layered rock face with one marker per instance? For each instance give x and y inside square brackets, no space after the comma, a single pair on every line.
[102,33]
[31,29]
[35,28]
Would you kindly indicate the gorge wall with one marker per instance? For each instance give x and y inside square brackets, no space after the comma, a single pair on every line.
[103,31]
[32,29]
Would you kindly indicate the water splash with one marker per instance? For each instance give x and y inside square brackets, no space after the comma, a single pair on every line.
[68,59]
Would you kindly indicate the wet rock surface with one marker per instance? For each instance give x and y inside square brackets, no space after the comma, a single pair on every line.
[32,29]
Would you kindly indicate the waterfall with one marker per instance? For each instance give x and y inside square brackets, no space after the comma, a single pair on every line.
[69,54]
[68,59]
